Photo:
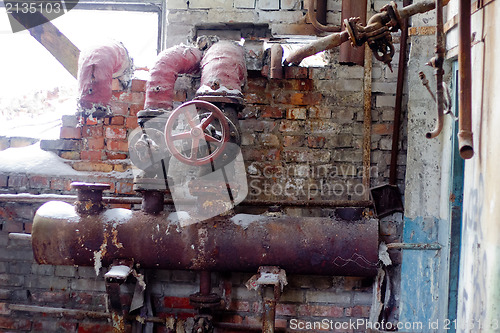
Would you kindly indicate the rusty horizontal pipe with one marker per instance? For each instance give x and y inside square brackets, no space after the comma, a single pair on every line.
[465,143]
[324,246]
[42,198]
[20,236]
[314,11]
[415,246]
[319,45]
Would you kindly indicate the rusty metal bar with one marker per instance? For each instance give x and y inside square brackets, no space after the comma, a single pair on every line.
[276,58]
[399,99]
[239,243]
[465,143]
[42,198]
[314,16]
[79,314]
[367,120]
[415,246]
[319,45]
[269,315]
[437,63]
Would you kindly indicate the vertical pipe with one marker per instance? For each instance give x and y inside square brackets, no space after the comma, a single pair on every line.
[439,72]
[269,315]
[321,8]
[465,143]
[399,98]
[205,283]
[367,121]
[348,53]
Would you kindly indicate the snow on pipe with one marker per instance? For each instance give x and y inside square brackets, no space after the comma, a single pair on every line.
[97,67]
[224,70]
[180,59]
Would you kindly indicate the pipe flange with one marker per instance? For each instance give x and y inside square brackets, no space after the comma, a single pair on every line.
[89,196]
[200,301]
[353,29]
[396,21]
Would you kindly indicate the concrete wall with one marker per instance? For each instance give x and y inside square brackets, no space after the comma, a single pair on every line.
[479,289]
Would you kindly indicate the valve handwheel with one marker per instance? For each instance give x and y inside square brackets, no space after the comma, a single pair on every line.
[197,132]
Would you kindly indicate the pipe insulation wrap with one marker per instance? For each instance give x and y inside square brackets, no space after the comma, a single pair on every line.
[223,70]
[180,59]
[313,245]
[97,66]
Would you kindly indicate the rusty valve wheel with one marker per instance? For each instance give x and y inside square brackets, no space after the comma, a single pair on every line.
[198,132]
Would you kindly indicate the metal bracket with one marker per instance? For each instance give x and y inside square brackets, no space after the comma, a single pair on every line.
[117,274]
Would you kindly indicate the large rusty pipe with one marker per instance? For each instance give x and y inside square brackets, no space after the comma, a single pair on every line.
[438,61]
[324,246]
[348,53]
[322,44]
[316,12]
[465,143]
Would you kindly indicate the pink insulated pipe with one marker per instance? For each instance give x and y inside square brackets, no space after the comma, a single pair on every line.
[96,69]
[223,70]
[180,59]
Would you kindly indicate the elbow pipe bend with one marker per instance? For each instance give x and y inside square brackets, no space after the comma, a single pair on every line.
[97,67]
[311,5]
[180,59]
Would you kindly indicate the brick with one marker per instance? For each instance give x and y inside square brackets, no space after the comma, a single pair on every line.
[256,125]
[119,108]
[135,108]
[92,166]
[122,167]
[177,303]
[247,139]
[138,85]
[93,143]
[316,141]
[321,311]
[54,326]
[271,112]
[322,126]
[343,115]
[70,155]
[360,311]
[17,142]
[5,293]
[270,140]
[93,328]
[299,156]
[60,144]
[290,4]
[362,298]
[15,324]
[115,156]
[11,280]
[19,268]
[4,309]
[261,155]
[91,155]
[382,129]
[60,184]
[325,297]
[50,296]
[69,271]
[13,226]
[117,120]
[18,181]
[296,113]
[117,145]
[115,132]
[240,306]
[290,126]
[47,282]
[295,72]
[131,123]
[286,309]
[42,269]
[244,4]
[261,98]
[385,101]
[177,4]
[69,121]
[304,98]
[383,87]
[208,4]
[293,141]
[70,133]
[39,182]
[88,284]
[4,180]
